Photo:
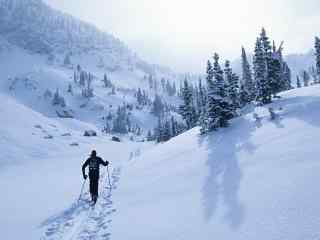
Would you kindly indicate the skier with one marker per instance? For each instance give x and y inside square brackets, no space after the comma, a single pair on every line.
[94,166]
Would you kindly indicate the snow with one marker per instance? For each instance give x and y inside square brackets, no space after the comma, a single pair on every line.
[249,181]
[254,179]
[41,177]
[28,83]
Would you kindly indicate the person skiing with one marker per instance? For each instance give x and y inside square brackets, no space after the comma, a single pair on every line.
[94,163]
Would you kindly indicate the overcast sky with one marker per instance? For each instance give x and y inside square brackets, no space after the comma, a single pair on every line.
[184,34]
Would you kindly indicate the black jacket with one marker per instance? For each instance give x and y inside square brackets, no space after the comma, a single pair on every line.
[94,166]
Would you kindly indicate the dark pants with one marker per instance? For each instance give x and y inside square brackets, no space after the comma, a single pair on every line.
[94,186]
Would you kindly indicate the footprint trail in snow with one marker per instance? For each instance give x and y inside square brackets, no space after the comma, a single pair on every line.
[82,221]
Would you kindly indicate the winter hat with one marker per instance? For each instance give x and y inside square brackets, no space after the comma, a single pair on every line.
[93,153]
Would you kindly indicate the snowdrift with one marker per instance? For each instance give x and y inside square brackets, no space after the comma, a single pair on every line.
[254,180]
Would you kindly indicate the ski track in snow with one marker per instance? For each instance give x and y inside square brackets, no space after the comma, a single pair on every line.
[82,221]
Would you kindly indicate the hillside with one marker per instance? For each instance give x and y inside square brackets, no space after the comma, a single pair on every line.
[40,168]
[67,88]
[41,52]
[32,25]
[253,180]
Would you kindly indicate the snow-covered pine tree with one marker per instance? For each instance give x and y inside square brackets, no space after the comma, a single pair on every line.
[217,102]
[70,89]
[150,137]
[174,127]
[120,123]
[166,131]
[206,115]
[87,92]
[317,53]
[106,81]
[286,77]
[243,96]
[62,102]
[220,94]
[150,81]
[232,90]
[275,75]
[163,84]
[139,97]
[187,110]
[269,72]
[306,78]
[158,131]
[314,74]
[67,60]
[83,77]
[75,77]
[174,89]
[279,72]
[56,98]
[260,74]
[247,84]
[158,106]
[233,93]
[298,82]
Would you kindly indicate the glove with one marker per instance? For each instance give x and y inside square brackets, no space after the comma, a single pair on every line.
[85,176]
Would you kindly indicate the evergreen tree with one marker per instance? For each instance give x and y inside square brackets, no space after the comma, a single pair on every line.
[150,80]
[106,82]
[166,131]
[163,84]
[275,75]
[233,93]
[260,73]
[286,78]
[140,97]
[149,136]
[67,60]
[206,114]
[187,110]
[231,88]
[158,106]
[70,89]
[217,104]
[174,89]
[306,78]
[314,74]
[247,84]
[158,131]
[298,82]
[120,123]
[174,127]
[56,98]
[75,77]
[83,77]
[87,92]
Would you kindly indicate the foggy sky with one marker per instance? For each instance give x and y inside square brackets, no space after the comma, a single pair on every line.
[184,34]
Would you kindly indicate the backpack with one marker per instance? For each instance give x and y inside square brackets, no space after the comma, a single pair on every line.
[93,164]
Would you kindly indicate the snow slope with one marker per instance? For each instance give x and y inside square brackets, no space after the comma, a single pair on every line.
[253,180]
[40,176]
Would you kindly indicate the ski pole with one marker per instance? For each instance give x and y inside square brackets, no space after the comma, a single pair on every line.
[82,189]
[109,177]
